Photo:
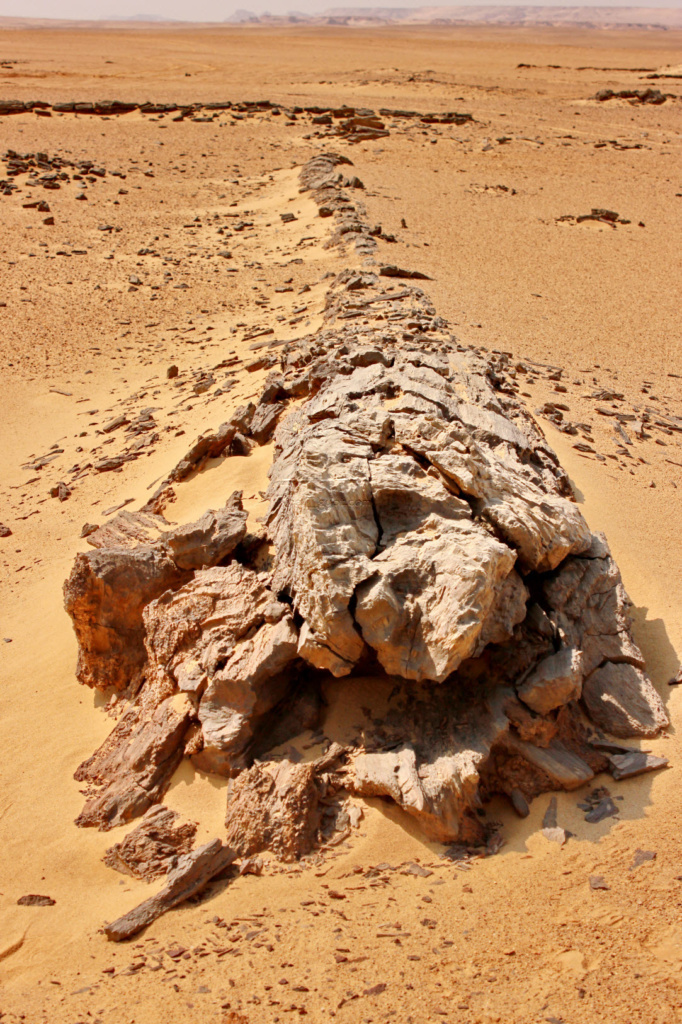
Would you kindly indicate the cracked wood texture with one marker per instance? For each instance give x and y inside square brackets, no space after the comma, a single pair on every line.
[419,529]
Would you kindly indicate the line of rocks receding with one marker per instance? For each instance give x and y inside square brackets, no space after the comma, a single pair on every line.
[321,115]
[653,97]
[420,534]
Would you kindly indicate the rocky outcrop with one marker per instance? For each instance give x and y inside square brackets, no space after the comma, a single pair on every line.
[419,530]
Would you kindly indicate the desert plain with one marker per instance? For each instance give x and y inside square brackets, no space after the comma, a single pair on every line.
[164,245]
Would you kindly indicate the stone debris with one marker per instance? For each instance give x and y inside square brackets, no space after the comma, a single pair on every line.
[598,806]
[635,762]
[187,878]
[154,846]
[33,900]
[650,96]
[599,215]
[420,531]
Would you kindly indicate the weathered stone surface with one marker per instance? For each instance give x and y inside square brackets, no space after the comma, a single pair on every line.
[436,579]
[591,609]
[153,847]
[622,701]
[565,769]
[133,767]
[105,596]
[276,806]
[253,680]
[543,527]
[635,762]
[129,530]
[191,874]
[210,539]
[420,533]
[264,422]
[435,773]
[555,681]
[191,631]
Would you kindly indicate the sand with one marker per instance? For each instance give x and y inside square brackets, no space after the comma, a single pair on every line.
[518,937]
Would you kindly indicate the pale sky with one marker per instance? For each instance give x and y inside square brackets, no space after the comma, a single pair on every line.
[219,10]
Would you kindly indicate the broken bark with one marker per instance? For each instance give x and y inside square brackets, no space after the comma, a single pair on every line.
[191,874]
[277,806]
[109,589]
[133,767]
[154,846]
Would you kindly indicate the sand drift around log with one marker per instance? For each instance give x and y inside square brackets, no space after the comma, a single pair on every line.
[420,534]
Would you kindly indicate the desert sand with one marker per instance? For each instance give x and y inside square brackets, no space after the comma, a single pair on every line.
[130,280]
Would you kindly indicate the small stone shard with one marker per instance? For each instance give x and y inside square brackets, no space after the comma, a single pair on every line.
[635,762]
[33,900]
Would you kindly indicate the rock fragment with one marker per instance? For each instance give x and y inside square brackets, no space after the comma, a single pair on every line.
[150,849]
[556,680]
[635,762]
[189,877]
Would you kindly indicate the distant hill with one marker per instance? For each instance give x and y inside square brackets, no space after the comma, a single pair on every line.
[661,18]
[598,17]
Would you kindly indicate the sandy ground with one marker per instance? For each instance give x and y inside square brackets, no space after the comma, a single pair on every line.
[519,937]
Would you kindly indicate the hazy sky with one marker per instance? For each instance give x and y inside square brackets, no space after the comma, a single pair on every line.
[219,10]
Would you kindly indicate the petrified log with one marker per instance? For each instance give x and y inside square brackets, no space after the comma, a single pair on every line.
[191,874]
[420,529]
[154,846]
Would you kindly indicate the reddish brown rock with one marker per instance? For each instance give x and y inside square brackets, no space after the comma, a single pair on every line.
[276,806]
[105,596]
[154,846]
[133,767]
[190,876]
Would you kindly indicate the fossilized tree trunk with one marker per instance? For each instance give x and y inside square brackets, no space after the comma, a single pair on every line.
[421,528]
